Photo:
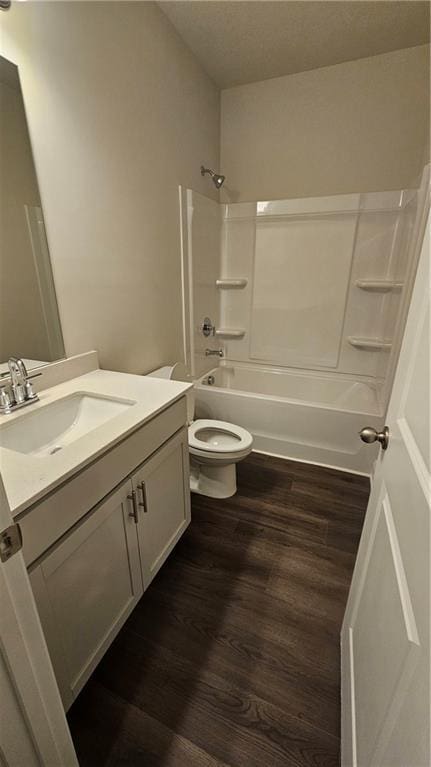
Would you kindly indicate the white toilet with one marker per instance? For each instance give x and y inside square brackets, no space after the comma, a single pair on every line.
[215,446]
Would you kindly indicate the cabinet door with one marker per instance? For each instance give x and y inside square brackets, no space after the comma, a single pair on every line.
[86,587]
[163,494]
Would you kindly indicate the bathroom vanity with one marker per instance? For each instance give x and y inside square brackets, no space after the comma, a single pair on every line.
[98,514]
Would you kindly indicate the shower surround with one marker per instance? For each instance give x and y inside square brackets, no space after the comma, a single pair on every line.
[309,298]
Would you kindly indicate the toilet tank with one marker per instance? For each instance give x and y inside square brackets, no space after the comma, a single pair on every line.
[178,372]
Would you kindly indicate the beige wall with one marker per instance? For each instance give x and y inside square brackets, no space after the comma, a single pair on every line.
[358,126]
[22,326]
[120,113]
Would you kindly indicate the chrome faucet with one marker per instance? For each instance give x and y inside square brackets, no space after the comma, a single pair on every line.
[20,392]
[213,352]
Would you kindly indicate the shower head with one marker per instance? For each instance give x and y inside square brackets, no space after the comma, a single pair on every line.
[218,180]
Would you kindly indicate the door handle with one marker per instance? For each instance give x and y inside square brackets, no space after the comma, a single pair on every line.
[133,514]
[143,503]
[369,435]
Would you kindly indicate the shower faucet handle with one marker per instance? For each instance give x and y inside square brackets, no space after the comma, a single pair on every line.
[207,327]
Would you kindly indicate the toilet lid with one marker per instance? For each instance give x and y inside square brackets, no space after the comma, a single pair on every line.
[218,436]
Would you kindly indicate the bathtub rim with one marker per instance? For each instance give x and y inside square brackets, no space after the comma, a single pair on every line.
[375,382]
[199,385]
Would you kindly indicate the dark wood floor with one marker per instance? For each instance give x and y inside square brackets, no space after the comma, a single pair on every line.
[232,656]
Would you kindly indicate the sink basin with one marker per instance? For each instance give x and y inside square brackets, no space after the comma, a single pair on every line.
[49,429]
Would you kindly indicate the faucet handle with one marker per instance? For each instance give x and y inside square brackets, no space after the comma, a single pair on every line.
[29,393]
[5,401]
[207,327]
[28,386]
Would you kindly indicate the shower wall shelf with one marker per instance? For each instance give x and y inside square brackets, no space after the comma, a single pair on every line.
[372,344]
[379,286]
[230,333]
[231,283]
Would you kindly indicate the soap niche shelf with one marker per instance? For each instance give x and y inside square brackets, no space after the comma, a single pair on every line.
[230,333]
[229,284]
[379,286]
[370,344]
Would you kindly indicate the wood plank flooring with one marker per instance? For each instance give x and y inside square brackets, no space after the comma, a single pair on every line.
[231,658]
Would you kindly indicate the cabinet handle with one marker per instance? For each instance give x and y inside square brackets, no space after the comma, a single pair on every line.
[141,487]
[134,514]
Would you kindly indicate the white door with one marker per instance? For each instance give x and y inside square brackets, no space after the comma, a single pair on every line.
[33,728]
[86,587]
[385,640]
[163,496]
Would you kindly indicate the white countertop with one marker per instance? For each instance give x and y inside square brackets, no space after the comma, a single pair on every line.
[28,477]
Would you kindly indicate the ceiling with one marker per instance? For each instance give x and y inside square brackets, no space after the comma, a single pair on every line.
[239,42]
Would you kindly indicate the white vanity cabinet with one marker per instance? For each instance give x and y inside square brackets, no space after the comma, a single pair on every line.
[86,587]
[90,578]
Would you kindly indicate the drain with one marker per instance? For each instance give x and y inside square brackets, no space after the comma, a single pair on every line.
[55,449]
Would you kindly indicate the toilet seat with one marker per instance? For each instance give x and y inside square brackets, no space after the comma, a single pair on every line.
[215,447]
[208,436]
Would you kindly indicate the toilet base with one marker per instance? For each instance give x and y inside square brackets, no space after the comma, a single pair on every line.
[213,481]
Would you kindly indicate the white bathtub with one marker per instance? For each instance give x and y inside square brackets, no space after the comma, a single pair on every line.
[306,417]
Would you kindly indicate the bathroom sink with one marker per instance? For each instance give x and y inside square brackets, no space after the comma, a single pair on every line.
[49,429]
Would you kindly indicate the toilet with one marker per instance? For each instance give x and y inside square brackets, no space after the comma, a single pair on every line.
[215,447]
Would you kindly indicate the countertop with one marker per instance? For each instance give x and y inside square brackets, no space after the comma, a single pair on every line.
[28,477]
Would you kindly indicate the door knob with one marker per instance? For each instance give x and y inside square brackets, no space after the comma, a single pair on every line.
[369,435]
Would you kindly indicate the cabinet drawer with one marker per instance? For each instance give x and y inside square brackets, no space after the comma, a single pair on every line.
[45,523]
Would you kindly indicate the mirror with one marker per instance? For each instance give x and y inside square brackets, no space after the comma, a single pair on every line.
[29,320]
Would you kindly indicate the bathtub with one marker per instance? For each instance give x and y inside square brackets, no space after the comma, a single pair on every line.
[306,417]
